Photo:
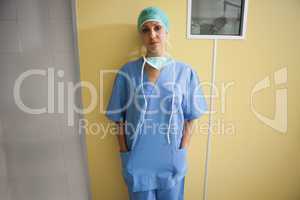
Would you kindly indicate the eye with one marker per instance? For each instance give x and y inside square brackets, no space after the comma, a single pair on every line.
[157,28]
[145,30]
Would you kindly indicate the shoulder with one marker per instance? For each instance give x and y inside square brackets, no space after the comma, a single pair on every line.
[131,65]
[185,67]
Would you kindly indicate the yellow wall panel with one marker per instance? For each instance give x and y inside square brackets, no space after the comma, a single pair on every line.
[249,160]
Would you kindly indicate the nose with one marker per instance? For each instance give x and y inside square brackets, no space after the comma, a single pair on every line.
[152,33]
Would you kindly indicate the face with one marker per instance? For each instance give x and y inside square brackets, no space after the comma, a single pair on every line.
[154,38]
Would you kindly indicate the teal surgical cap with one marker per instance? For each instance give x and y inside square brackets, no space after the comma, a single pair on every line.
[153,14]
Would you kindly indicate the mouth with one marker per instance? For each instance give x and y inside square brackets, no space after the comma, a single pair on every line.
[154,43]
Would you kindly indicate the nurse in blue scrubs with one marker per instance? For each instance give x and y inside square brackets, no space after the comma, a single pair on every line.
[154,102]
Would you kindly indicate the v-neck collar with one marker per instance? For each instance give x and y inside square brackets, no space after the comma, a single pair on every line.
[149,84]
[157,79]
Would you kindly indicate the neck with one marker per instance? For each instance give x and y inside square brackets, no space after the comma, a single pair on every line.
[159,53]
[155,54]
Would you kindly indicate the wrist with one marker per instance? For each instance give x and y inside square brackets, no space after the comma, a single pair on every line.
[123,150]
[183,146]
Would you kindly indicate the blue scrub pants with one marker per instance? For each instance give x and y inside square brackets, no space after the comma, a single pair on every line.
[174,193]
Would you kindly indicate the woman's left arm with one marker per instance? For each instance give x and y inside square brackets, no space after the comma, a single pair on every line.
[187,133]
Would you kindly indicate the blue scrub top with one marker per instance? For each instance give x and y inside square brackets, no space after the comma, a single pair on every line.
[155,115]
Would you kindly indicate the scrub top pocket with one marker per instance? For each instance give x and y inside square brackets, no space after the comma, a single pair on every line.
[124,159]
[179,161]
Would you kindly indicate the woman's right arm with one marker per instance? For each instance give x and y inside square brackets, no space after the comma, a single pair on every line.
[121,137]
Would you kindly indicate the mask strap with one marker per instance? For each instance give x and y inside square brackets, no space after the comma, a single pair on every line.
[172,102]
[141,119]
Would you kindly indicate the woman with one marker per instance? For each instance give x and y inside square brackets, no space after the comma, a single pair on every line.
[154,102]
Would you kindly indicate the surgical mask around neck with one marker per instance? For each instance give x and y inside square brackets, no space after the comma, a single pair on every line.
[157,62]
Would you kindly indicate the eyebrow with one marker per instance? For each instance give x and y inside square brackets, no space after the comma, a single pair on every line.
[154,24]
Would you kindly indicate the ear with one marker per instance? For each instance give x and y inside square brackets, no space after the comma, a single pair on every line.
[167,36]
[140,37]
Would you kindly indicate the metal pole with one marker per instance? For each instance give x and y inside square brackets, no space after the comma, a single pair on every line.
[208,147]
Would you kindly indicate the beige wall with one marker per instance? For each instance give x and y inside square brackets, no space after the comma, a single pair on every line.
[250,160]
